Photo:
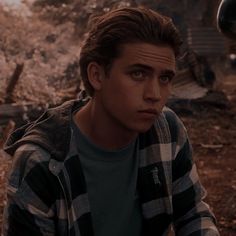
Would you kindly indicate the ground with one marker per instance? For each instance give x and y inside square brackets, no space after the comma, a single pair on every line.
[213,138]
[213,134]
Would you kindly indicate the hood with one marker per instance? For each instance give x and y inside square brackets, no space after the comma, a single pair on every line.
[51,131]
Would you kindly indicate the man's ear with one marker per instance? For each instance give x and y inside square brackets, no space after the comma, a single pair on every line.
[95,74]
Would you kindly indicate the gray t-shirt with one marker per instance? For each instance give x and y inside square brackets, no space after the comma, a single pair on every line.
[111,178]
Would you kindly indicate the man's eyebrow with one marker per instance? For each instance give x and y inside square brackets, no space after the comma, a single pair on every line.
[146,67]
[142,66]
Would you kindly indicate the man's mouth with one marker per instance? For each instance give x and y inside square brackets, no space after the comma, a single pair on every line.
[149,113]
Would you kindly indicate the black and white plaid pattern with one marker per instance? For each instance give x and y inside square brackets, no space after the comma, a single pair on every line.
[47,193]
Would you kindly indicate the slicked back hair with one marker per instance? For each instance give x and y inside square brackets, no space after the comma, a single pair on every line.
[121,26]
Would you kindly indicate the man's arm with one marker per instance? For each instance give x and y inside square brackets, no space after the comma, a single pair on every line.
[31,196]
[192,216]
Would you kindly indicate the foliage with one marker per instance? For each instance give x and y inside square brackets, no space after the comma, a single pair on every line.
[75,11]
[49,54]
[47,41]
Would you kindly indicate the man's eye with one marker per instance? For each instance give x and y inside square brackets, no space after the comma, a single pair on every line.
[138,75]
[165,79]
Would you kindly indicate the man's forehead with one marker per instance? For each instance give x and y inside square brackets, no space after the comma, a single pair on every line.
[148,54]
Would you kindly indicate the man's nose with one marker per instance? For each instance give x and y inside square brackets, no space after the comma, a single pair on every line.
[152,90]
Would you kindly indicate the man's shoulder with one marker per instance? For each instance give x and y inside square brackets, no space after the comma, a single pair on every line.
[29,158]
[169,128]
[170,115]
[175,123]
[34,151]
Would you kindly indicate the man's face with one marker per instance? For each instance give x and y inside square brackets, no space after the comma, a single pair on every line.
[137,86]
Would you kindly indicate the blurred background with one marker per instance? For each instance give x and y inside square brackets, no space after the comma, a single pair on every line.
[39,51]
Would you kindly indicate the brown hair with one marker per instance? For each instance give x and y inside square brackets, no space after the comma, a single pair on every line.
[120,26]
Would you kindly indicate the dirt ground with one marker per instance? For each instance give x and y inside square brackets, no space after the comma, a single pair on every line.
[213,139]
[213,135]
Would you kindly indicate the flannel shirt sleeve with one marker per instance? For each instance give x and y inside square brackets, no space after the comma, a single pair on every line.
[192,216]
[30,196]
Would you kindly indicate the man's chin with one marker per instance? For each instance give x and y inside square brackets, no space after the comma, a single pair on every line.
[143,129]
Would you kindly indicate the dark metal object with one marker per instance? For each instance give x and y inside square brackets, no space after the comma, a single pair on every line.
[226,18]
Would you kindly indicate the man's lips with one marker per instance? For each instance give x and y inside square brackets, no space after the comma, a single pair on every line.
[150,112]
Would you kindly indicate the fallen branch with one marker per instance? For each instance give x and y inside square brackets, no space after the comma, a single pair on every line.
[12,83]
[212,146]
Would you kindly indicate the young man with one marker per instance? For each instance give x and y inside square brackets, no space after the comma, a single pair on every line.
[119,163]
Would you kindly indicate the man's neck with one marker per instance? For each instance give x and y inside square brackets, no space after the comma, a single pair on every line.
[100,130]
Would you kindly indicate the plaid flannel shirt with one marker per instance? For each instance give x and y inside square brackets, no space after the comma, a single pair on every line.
[47,190]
